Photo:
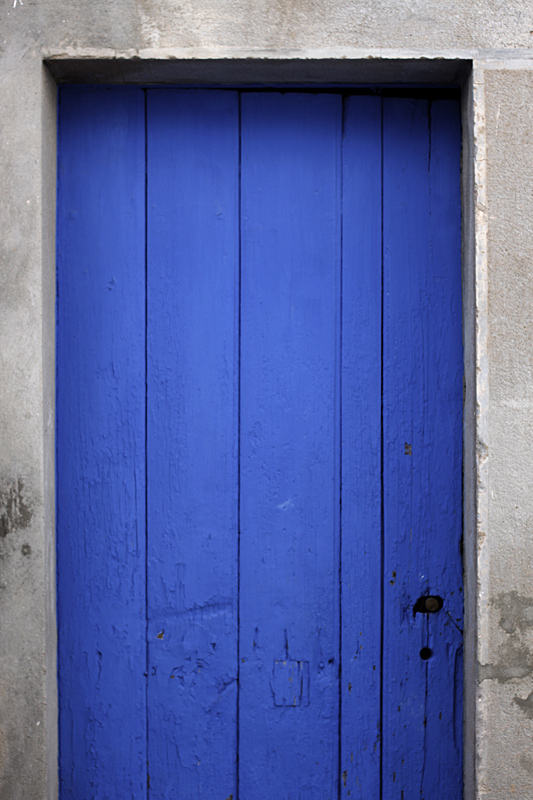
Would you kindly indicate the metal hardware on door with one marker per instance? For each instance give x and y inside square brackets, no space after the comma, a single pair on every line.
[428,604]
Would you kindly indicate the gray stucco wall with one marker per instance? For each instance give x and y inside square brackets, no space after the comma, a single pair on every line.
[506,640]
[488,47]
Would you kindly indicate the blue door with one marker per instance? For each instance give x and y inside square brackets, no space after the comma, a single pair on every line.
[259,445]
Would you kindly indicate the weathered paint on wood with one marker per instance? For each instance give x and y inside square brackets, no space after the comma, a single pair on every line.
[192,380]
[361,450]
[422,408]
[299,369]
[101,445]
[289,509]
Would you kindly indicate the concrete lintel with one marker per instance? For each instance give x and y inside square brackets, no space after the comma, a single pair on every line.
[256,70]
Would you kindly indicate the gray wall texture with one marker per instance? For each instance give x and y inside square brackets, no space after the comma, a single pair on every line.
[487,47]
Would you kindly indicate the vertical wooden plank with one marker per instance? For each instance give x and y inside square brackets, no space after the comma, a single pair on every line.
[361,450]
[193,152]
[445,669]
[422,402]
[289,568]
[101,444]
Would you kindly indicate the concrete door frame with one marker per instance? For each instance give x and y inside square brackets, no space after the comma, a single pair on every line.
[398,69]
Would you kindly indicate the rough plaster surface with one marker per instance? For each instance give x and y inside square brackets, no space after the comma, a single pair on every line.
[22,542]
[272,27]
[506,669]
[498,205]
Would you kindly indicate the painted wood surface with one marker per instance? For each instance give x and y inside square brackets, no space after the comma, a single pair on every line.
[361,450]
[101,445]
[422,408]
[289,506]
[192,380]
[259,332]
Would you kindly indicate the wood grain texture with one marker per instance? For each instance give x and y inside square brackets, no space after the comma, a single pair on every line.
[271,345]
[101,444]
[361,449]
[289,603]
[422,409]
[193,249]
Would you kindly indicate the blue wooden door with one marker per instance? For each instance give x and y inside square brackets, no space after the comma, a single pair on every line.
[259,405]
